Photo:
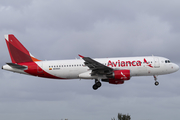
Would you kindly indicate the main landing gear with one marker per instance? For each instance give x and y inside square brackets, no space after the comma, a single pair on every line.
[97,84]
[156,82]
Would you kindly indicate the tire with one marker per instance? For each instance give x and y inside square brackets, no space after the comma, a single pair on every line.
[156,83]
[95,87]
[98,84]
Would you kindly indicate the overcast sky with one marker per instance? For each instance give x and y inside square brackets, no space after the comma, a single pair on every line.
[62,29]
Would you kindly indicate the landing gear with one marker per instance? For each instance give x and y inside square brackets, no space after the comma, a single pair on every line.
[97,84]
[156,82]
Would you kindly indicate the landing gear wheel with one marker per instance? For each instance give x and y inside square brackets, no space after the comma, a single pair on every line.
[98,84]
[156,83]
[95,87]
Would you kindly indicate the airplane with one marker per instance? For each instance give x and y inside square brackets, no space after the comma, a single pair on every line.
[112,70]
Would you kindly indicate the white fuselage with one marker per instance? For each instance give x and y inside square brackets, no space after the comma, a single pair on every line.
[73,69]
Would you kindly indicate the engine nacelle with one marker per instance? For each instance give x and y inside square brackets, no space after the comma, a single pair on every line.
[113,81]
[120,75]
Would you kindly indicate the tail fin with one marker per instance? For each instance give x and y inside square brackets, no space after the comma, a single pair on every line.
[17,51]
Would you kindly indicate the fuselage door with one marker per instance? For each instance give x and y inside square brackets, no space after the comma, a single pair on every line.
[156,62]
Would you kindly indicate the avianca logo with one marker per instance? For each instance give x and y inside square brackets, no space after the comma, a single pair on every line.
[127,63]
[148,63]
[123,75]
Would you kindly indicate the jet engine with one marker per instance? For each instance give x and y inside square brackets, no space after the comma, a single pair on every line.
[120,75]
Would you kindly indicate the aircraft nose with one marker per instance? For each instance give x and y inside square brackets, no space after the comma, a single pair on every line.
[176,67]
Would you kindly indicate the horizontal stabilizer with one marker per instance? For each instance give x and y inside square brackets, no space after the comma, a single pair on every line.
[13,65]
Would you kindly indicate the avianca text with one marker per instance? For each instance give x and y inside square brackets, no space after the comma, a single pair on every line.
[123,63]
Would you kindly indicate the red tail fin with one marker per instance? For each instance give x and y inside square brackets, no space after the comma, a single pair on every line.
[17,51]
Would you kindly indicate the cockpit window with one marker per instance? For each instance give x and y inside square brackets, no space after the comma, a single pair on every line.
[167,61]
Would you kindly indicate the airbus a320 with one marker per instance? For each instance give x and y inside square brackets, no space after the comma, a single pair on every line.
[111,70]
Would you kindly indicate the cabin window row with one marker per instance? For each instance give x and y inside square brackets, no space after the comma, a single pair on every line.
[56,66]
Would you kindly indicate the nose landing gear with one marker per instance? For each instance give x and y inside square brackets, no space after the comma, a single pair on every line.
[156,82]
[97,84]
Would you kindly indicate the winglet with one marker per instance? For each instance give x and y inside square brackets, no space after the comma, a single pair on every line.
[81,56]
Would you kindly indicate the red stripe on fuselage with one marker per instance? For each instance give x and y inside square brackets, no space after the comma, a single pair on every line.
[35,70]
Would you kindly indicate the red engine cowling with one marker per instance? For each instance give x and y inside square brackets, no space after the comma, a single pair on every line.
[114,81]
[120,75]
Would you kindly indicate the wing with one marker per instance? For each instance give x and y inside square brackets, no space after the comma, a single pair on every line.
[96,67]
